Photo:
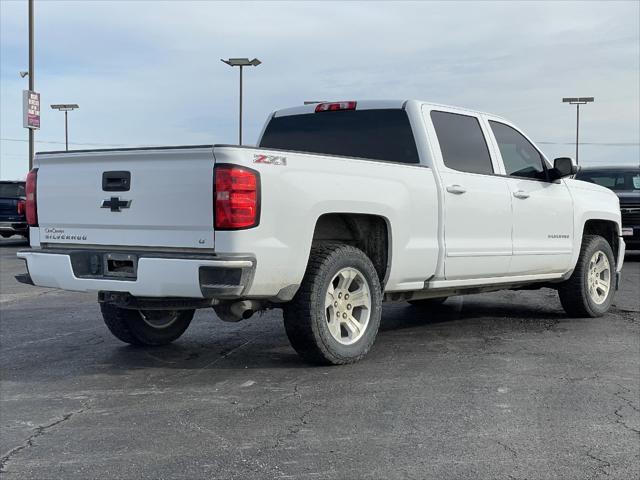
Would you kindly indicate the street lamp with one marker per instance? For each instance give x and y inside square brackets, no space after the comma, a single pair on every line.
[66,108]
[241,62]
[577,101]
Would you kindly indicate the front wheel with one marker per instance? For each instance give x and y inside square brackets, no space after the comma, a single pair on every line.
[589,290]
[146,327]
[334,317]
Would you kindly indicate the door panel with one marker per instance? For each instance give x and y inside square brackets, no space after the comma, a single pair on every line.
[476,202]
[542,210]
[477,225]
[542,227]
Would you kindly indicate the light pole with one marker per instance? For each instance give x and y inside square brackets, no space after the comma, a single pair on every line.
[577,101]
[66,108]
[241,62]
[31,74]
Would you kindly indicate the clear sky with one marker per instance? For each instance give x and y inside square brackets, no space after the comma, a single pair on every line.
[149,73]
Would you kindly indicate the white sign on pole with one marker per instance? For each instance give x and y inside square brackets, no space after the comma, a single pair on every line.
[30,109]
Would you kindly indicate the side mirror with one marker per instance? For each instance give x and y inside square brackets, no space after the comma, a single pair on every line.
[563,167]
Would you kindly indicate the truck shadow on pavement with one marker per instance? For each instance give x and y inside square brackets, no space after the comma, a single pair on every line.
[14,241]
[461,309]
[262,344]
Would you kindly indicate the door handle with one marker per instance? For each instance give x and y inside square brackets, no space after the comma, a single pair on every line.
[521,194]
[457,189]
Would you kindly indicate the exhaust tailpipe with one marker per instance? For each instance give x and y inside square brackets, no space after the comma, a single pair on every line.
[236,311]
[243,309]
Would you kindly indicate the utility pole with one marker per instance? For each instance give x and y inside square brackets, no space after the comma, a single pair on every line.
[241,62]
[31,81]
[577,101]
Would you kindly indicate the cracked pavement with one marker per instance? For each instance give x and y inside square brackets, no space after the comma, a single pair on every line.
[490,386]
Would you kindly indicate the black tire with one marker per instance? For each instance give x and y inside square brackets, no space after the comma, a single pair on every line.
[131,327]
[428,303]
[6,235]
[574,292]
[305,317]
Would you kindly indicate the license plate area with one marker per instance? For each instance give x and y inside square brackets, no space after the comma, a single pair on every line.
[121,265]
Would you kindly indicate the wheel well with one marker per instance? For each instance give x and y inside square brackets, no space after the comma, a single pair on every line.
[369,233]
[606,229]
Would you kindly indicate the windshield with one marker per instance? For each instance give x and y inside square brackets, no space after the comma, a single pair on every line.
[617,180]
[11,189]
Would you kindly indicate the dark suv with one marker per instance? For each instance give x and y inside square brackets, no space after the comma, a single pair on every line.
[13,219]
[625,182]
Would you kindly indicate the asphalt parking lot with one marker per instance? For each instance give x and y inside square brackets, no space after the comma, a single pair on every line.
[498,385]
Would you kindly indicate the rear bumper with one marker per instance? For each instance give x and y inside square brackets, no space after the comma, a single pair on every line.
[14,227]
[157,275]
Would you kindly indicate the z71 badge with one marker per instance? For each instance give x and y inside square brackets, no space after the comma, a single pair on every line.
[270,159]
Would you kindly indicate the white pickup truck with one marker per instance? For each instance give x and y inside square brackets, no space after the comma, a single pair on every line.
[340,207]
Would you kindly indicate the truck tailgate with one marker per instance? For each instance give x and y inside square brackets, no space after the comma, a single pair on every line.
[167,201]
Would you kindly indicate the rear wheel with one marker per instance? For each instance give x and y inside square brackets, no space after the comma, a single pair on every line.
[335,315]
[589,291]
[146,327]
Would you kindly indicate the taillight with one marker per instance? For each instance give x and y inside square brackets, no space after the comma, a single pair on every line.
[237,197]
[31,203]
[332,107]
[21,207]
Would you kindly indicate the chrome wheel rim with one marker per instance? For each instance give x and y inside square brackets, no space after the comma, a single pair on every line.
[599,277]
[348,306]
[159,318]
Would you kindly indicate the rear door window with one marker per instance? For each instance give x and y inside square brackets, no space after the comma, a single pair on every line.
[462,142]
[378,134]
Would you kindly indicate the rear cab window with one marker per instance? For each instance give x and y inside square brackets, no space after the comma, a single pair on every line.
[377,134]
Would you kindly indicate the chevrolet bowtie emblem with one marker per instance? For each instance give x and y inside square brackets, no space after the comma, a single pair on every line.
[115,204]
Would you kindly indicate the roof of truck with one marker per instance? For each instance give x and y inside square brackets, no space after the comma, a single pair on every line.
[368,105]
